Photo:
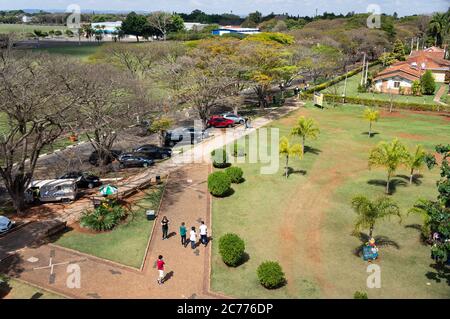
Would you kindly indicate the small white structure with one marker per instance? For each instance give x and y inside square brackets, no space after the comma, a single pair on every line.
[26,19]
[108,28]
[237,30]
[194,26]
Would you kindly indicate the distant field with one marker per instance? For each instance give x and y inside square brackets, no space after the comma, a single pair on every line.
[82,52]
[25,28]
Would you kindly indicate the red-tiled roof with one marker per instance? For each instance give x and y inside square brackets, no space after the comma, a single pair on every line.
[401,69]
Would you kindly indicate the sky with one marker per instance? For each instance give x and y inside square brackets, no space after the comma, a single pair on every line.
[240,7]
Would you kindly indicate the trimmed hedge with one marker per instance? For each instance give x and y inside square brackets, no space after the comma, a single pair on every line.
[235,174]
[270,274]
[220,158]
[338,79]
[219,184]
[383,103]
[231,248]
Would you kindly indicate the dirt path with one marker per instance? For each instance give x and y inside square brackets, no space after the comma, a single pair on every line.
[303,218]
[439,93]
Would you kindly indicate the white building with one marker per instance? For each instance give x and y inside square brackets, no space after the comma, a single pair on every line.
[236,30]
[107,27]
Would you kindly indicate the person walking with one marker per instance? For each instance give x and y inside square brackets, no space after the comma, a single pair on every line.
[165,227]
[183,232]
[160,265]
[193,237]
[203,233]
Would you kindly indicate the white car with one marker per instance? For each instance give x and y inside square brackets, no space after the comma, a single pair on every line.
[5,224]
[236,118]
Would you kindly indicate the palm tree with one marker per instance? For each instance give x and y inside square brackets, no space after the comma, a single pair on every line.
[370,211]
[389,155]
[371,115]
[288,150]
[439,27]
[306,128]
[415,161]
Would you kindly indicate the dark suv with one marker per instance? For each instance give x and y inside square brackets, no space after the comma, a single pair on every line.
[135,160]
[84,179]
[93,158]
[153,151]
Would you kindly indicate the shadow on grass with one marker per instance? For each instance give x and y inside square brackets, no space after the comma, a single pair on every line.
[393,185]
[417,178]
[228,193]
[380,241]
[292,171]
[442,272]
[312,150]
[418,227]
[372,135]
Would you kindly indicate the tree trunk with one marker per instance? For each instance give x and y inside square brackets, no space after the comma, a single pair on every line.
[303,144]
[137,38]
[286,168]
[371,231]
[411,176]
[370,129]
[387,184]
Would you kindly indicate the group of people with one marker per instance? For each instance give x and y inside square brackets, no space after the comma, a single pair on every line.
[203,232]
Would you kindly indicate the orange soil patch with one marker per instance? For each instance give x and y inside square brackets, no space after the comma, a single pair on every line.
[411,136]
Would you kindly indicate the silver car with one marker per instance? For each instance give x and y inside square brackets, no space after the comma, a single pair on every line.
[5,224]
[236,118]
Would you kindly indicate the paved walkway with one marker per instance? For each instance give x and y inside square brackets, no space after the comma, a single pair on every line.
[439,94]
[186,199]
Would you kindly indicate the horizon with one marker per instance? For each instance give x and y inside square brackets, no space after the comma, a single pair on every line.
[292,7]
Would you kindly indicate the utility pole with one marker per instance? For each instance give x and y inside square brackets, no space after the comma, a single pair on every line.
[412,46]
[418,39]
[367,73]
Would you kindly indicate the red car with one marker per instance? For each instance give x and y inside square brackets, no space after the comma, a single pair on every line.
[218,121]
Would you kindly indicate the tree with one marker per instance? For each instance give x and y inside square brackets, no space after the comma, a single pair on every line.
[161,126]
[436,214]
[371,115]
[88,31]
[399,50]
[369,212]
[165,22]
[416,88]
[439,27]
[390,156]
[427,82]
[106,106]
[305,128]
[288,151]
[415,161]
[36,100]
[134,24]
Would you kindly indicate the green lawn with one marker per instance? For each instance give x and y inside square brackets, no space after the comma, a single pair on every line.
[352,91]
[29,28]
[305,222]
[21,290]
[126,244]
[83,52]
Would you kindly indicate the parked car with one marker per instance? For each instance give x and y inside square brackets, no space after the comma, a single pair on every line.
[184,134]
[235,118]
[154,151]
[52,190]
[84,179]
[93,158]
[5,224]
[219,121]
[135,160]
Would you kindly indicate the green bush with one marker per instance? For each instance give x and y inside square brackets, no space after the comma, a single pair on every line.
[427,82]
[103,218]
[238,150]
[270,274]
[235,174]
[360,295]
[219,184]
[220,158]
[231,248]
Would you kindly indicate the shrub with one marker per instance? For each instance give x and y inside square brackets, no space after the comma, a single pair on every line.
[105,217]
[231,248]
[219,184]
[428,83]
[220,158]
[360,295]
[235,174]
[238,150]
[270,274]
